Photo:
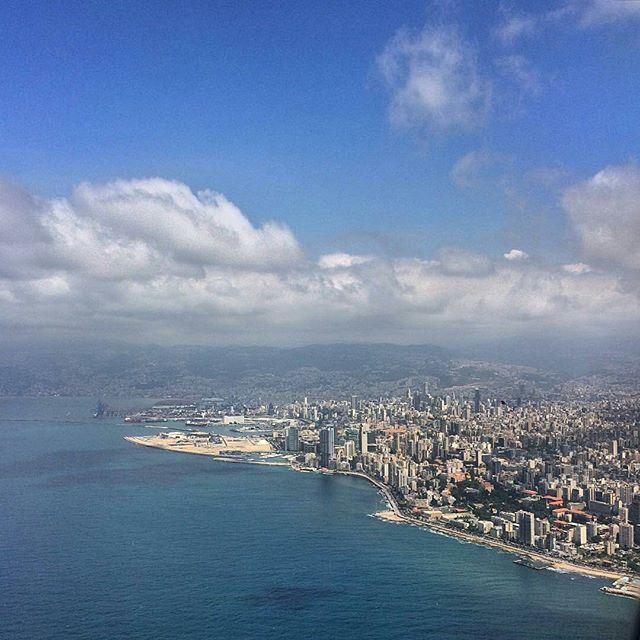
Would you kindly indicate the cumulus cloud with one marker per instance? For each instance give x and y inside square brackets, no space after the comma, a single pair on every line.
[516,255]
[434,80]
[151,260]
[605,211]
[199,229]
[132,230]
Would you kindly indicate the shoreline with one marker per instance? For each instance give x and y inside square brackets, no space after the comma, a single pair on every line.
[554,563]
[396,514]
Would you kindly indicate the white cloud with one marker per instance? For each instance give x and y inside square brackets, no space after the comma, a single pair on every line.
[605,211]
[584,14]
[341,260]
[516,255]
[134,229]
[121,261]
[200,229]
[434,80]
[601,12]
[577,268]
[459,262]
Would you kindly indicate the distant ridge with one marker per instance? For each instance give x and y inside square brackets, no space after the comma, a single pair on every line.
[286,373]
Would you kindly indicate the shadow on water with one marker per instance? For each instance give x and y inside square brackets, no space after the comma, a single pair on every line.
[161,474]
[57,461]
[292,598]
[105,467]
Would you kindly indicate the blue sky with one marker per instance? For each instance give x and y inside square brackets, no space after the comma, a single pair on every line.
[280,106]
[287,110]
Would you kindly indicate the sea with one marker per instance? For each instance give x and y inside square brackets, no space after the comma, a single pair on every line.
[104,539]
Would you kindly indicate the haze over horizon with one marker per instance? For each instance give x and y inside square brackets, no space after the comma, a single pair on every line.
[436,173]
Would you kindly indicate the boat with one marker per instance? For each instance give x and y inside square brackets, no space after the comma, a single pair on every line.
[197,422]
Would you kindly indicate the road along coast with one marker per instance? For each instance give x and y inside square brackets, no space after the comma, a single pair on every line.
[396,514]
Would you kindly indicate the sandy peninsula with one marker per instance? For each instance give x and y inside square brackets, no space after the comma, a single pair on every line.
[225,447]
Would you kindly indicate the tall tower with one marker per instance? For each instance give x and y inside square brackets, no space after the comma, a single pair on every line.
[292,439]
[626,536]
[327,446]
[634,510]
[476,401]
[526,522]
[363,437]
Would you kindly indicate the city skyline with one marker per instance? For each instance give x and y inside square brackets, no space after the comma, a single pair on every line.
[552,481]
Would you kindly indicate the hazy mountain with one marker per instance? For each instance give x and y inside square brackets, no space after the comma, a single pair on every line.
[334,370]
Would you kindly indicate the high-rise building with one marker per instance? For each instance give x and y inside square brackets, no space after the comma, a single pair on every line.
[580,534]
[626,536]
[634,510]
[476,401]
[349,449]
[526,527]
[327,446]
[354,403]
[626,494]
[363,439]
[292,439]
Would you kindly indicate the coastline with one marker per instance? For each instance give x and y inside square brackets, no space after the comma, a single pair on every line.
[395,514]
[554,563]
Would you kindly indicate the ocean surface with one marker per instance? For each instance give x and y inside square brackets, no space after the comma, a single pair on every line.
[100,538]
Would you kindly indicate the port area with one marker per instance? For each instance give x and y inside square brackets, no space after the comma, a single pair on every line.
[627,586]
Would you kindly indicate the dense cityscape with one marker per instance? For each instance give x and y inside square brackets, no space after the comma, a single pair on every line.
[320,320]
[559,480]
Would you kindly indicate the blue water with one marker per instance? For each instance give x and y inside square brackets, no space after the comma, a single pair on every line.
[100,538]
